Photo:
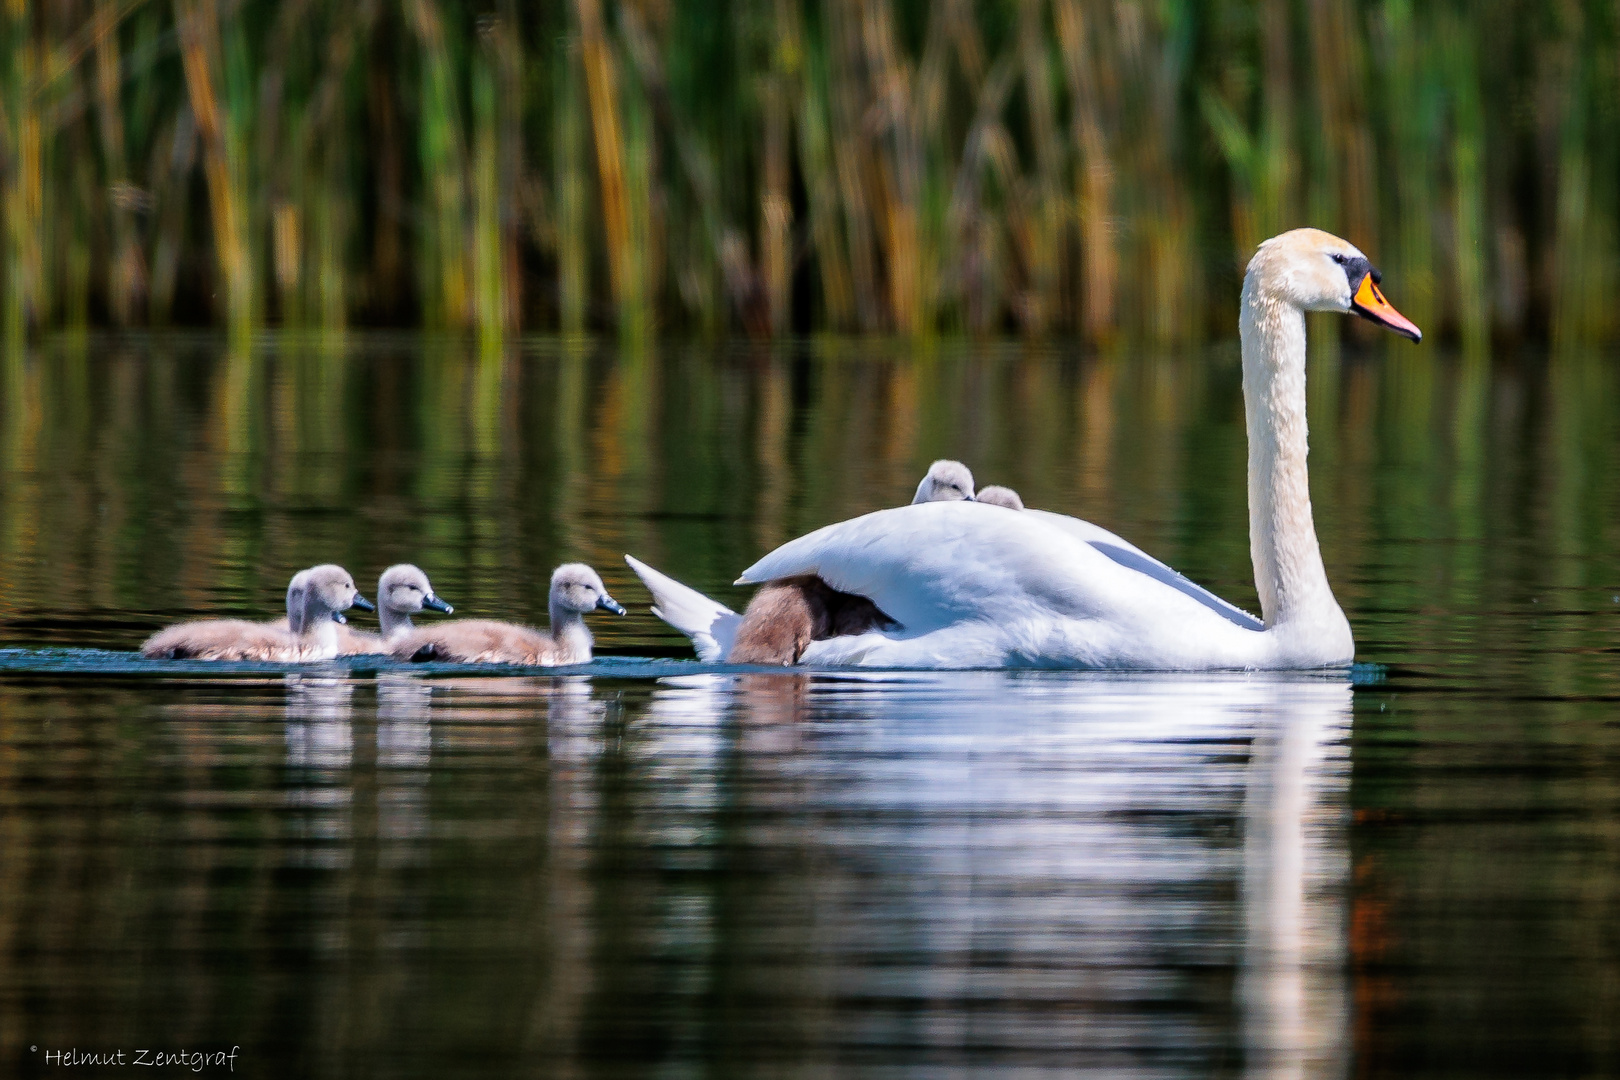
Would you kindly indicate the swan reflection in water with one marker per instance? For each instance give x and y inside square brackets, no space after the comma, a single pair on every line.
[1076,871]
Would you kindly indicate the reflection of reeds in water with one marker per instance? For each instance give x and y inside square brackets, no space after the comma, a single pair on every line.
[1045,166]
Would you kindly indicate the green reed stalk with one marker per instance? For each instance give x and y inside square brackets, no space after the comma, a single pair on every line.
[1468,187]
[23,184]
[126,274]
[1413,114]
[818,161]
[489,303]
[1584,264]
[1046,211]
[1344,189]
[573,193]
[200,49]
[775,204]
[601,89]
[644,240]
[1093,174]
[442,273]
[329,220]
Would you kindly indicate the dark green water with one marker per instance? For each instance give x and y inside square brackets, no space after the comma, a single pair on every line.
[1037,874]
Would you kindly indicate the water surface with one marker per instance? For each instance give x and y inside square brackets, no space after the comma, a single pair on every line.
[656,871]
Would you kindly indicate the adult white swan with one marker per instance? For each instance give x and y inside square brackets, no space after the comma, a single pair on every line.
[974,585]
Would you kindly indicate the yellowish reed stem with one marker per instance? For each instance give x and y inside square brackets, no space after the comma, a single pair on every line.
[1468,188]
[776,207]
[1094,176]
[821,178]
[601,89]
[573,193]
[23,190]
[489,302]
[198,23]
[126,274]
[444,236]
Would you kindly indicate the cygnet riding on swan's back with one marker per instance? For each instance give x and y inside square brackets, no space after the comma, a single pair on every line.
[946,481]
[575,591]
[402,591]
[976,589]
[996,495]
[316,600]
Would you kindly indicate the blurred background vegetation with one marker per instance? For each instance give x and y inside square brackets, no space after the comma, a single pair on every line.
[1096,168]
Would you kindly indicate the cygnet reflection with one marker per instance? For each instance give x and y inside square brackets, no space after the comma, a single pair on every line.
[320,751]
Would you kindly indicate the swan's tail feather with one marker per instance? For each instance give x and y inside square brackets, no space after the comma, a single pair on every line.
[711,625]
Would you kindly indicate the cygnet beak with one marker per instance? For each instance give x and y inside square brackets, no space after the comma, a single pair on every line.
[970,498]
[337,617]
[607,603]
[362,603]
[433,603]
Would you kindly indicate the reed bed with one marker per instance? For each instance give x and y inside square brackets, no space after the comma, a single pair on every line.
[1094,168]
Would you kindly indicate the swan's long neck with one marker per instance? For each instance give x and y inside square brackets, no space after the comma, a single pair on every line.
[572,636]
[1288,569]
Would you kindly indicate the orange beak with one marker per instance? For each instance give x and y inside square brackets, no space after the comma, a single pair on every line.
[1369,303]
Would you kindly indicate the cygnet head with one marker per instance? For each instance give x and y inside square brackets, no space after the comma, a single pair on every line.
[576,587]
[405,590]
[1316,271]
[947,481]
[996,495]
[330,590]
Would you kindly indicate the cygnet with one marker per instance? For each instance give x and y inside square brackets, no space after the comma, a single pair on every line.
[785,616]
[402,591]
[316,601]
[576,590]
[996,495]
[946,481]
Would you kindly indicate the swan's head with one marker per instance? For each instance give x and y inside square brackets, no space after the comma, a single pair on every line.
[576,587]
[996,495]
[947,481]
[1316,271]
[328,592]
[406,590]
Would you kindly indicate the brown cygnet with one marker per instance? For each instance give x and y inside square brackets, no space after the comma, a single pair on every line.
[785,616]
